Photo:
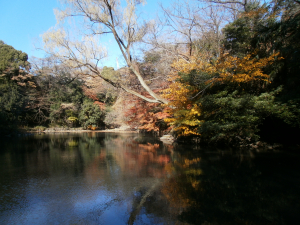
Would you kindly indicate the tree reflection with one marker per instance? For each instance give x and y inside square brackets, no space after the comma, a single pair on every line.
[232,189]
[144,178]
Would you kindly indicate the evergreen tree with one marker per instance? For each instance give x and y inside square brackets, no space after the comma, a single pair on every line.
[15,86]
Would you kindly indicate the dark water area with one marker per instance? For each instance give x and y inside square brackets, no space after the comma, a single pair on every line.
[108,178]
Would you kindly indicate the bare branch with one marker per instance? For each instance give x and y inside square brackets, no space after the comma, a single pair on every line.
[100,17]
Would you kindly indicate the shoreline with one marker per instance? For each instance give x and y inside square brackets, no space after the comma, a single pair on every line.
[85,131]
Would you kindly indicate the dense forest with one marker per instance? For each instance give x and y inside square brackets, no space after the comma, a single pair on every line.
[223,72]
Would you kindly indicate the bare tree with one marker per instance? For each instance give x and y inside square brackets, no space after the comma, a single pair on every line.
[188,28]
[235,5]
[181,20]
[174,32]
[83,51]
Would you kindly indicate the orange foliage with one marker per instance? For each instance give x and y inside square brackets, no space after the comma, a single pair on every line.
[91,93]
[228,68]
[100,104]
[239,70]
[185,113]
[175,189]
[253,13]
[182,109]
[149,147]
[92,127]
[147,116]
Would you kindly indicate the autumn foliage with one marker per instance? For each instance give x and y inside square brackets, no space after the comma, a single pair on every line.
[146,116]
[184,108]
[229,68]
[184,113]
[90,93]
[246,69]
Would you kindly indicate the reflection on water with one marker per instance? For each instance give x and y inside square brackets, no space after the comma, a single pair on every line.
[90,178]
[106,178]
[235,188]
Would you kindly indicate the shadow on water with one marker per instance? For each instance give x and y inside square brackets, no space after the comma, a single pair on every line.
[109,178]
[219,187]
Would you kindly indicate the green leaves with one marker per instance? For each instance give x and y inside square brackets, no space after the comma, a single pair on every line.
[12,60]
[11,104]
[256,80]
[14,90]
[91,114]
[110,73]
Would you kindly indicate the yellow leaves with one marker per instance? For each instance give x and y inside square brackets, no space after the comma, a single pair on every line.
[254,13]
[188,162]
[184,112]
[184,130]
[229,68]
[199,62]
[72,118]
[185,121]
[246,69]
[195,184]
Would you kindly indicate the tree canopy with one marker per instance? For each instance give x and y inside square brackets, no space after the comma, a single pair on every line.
[217,71]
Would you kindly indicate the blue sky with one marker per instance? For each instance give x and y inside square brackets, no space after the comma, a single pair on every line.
[23,21]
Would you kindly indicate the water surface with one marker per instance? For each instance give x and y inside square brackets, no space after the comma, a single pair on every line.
[107,178]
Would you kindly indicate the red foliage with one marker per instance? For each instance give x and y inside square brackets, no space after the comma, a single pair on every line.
[90,93]
[145,115]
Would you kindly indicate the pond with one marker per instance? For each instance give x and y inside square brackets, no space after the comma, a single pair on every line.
[110,178]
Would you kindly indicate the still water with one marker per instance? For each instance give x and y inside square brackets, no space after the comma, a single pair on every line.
[107,178]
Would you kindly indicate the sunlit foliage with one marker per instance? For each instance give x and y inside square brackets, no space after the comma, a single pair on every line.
[147,116]
[184,113]
[226,99]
